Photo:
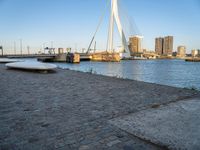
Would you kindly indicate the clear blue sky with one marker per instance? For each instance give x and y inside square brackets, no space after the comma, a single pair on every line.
[71,23]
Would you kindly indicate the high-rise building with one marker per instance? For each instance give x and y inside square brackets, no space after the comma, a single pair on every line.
[168,45]
[135,43]
[159,42]
[164,46]
[181,51]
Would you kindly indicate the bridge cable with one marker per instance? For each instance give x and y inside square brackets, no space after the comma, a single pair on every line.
[99,24]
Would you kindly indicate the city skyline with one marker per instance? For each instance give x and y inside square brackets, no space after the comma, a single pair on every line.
[41,23]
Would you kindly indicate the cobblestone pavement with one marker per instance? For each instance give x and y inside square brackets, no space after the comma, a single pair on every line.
[70,110]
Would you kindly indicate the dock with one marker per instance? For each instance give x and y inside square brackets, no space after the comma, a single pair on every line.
[195,59]
[78,57]
[106,57]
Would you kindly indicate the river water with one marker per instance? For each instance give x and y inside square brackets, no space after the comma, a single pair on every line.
[177,73]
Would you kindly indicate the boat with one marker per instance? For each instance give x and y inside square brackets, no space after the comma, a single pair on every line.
[37,66]
[7,60]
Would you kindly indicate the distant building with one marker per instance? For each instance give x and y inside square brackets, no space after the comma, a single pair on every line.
[135,45]
[60,50]
[159,45]
[164,46]
[168,45]
[195,53]
[181,51]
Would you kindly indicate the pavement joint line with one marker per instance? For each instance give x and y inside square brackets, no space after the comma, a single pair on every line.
[140,135]
[163,147]
[162,104]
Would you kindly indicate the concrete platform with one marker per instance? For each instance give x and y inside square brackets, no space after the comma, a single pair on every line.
[174,126]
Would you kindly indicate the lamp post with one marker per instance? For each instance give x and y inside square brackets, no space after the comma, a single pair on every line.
[20,46]
[14,47]
[28,49]
[51,44]
[44,47]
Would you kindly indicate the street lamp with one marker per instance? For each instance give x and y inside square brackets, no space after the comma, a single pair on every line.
[14,47]
[51,44]
[21,45]
[44,47]
[28,49]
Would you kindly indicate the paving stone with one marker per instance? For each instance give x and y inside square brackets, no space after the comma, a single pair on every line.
[84,147]
[73,106]
[113,143]
[174,126]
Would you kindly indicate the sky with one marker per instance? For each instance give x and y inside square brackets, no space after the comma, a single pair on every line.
[72,23]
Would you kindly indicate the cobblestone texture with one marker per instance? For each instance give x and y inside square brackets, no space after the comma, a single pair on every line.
[70,110]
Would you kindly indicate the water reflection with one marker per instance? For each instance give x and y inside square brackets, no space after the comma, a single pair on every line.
[167,72]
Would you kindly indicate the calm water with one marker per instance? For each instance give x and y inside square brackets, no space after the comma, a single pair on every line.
[176,73]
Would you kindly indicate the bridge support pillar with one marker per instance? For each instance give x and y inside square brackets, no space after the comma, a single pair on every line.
[116,18]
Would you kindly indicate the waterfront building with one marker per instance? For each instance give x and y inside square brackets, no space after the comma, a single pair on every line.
[195,53]
[198,53]
[168,45]
[60,50]
[69,50]
[159,43]
[135,45]
[164,46]
[181,51]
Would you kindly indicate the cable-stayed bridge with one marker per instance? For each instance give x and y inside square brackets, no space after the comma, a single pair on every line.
[115,19]
[109,54]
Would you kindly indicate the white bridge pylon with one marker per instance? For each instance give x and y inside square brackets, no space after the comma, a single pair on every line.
[115,17]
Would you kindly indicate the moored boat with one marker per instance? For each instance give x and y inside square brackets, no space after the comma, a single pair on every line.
[32,66]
